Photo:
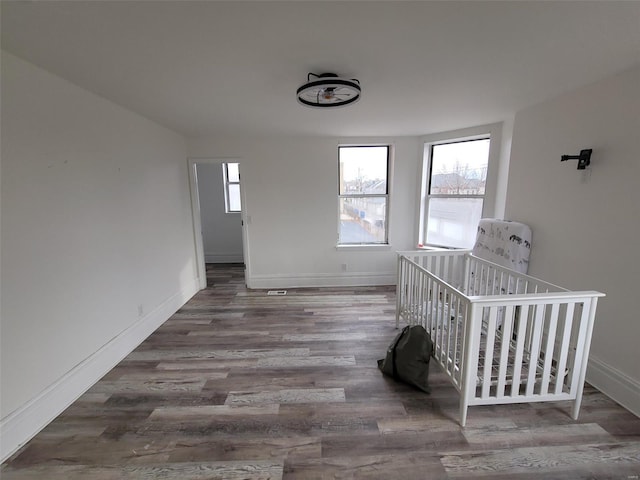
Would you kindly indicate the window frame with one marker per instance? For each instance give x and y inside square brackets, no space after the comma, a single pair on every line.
[386,196]
[490,198]
[454,195]
[227,184]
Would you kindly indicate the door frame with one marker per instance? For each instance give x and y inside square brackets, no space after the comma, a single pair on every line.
[197,220]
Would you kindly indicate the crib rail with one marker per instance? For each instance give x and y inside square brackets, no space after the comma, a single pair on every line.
[483,277]
[446,264]
[501,336]
[424,299]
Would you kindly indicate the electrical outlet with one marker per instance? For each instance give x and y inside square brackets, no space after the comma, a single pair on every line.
[140,310]
[344,267]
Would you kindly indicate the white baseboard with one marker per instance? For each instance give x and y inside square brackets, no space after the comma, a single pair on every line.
[20,426]
[223,258]
[321,280]
[615,384]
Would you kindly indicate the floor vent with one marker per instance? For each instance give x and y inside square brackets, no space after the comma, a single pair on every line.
[277,292]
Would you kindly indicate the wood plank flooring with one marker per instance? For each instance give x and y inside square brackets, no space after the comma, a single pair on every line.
[241,385]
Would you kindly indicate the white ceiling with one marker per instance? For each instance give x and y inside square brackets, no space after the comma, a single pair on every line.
[233,67]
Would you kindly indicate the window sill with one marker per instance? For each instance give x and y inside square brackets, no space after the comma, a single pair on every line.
[364,247]
[435,247]
[439,248]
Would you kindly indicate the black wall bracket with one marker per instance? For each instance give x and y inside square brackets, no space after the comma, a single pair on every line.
[584,159]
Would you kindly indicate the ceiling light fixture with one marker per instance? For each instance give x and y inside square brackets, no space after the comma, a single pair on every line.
[328,90]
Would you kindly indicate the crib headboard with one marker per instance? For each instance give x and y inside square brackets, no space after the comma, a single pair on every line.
[504,242]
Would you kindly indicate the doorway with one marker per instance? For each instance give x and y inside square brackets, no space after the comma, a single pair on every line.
[218,214]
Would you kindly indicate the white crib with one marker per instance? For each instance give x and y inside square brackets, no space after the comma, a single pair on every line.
[501,336]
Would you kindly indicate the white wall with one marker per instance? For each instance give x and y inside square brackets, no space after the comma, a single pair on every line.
[586,230]
[97,240]
[221,231]
[291,207]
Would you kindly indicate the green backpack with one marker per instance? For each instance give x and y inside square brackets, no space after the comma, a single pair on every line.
[408,357]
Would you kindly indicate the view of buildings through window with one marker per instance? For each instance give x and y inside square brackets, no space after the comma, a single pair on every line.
[231,175]
[363,194]
[457,182]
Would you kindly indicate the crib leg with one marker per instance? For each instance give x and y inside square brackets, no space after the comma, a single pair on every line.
[463,412]
[575,410]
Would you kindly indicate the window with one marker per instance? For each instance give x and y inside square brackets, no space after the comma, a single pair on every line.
[231,174]
[457,178]
[363,195]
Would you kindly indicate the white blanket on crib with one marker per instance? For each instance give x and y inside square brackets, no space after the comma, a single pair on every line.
[504,242]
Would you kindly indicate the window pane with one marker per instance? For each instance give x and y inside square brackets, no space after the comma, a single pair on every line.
[233,173]
[459,168]
[453,222]
[363,170]
[234,198]
[362,220]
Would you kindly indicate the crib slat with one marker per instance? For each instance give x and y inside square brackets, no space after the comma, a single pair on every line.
[578,358]
[534,353]
[433,309]
[485,280]
[444,274]
[420,305]
[428,299]
[521,336]
[457,347]
[412,296]
[424,299]
[417,305]
[454,315]
[451,336]
[435,318]
[453,343]
[407,292]
[488,281]
[442,312]
[447,340]
[548,349]
[488,351]
[408,274]
[564,349]
[507,323]
[399,287]
[476,278]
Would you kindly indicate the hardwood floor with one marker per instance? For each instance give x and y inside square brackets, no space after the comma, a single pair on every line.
[239,384]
